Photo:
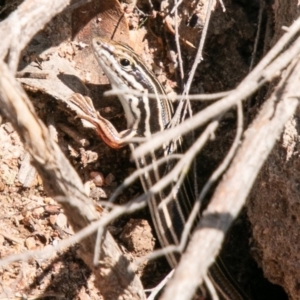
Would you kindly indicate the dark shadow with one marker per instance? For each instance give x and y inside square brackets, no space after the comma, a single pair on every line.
[236,254]
[74,83]
[73,274]
[65,283]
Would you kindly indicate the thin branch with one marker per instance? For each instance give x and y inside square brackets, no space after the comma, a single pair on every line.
[159,287]
[183,165]
[176,6]
[200,97]
[48,252]
[139,172]
[222,5]
[228,158]
[178,43]
[213,178]
[259,25]
[198,57]
[211,289]
[181,109]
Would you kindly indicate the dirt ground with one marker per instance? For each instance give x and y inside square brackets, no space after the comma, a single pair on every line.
[31,220]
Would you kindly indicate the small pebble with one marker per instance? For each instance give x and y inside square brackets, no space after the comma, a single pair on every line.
[98,178]
[109,179]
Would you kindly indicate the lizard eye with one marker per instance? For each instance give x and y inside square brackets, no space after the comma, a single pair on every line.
[124,62]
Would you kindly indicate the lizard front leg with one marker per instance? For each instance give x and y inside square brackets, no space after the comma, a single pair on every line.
[85,110]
